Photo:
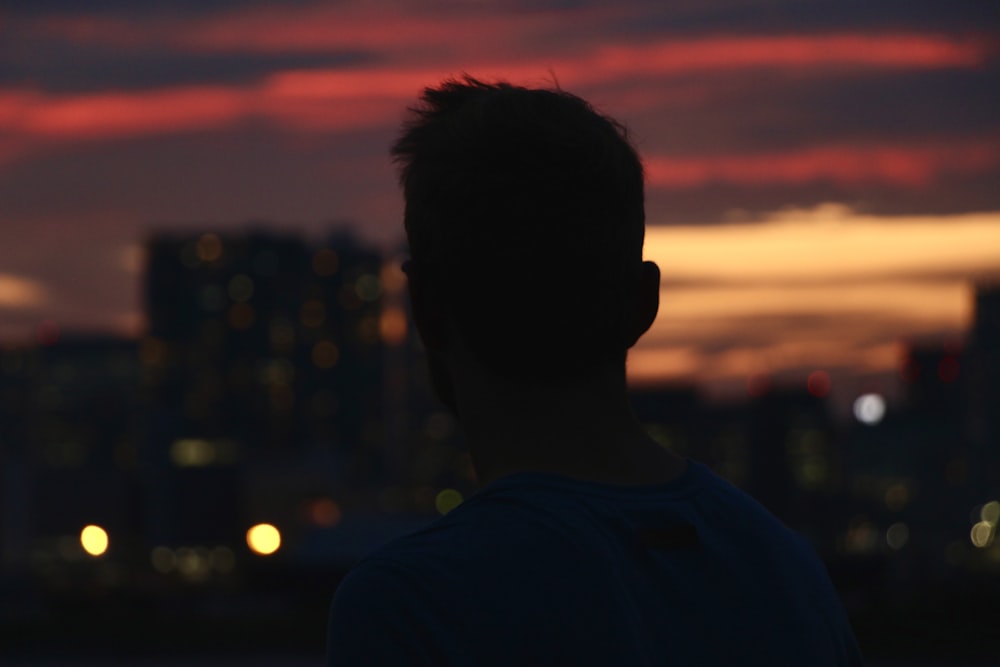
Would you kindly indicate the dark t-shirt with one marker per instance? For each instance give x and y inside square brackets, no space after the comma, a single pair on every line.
[542,569]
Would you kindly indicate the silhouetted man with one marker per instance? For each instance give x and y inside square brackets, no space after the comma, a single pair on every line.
[589,544]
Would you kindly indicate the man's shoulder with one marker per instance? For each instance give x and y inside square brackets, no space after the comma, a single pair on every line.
[484,529]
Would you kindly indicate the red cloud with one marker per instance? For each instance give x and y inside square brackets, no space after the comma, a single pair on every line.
[846,165]
[101,115]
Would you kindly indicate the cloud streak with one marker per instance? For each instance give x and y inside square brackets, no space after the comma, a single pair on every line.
[17,292]
[898,166]
[820,288]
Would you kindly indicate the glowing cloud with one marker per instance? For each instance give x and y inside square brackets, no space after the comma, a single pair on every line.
[18,292]
[825,287]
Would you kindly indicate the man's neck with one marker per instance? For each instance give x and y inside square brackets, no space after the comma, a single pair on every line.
[585,430]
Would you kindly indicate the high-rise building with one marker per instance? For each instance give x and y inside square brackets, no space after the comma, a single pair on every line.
[262,350]
[69,433]
[982,386]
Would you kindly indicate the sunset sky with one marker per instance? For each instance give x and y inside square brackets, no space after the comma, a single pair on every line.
[823,177]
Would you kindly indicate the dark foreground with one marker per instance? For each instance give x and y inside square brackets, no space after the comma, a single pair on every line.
[947,627]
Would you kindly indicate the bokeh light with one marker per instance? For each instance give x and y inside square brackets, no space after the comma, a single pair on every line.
[209,248]
[324,512]
[392,325]
[869,409]
[982,534]
[818,383]
[94,540]
[325,354]
[192,452]
[263,539]
[897,535]
[368,287]
[990,513]
[163,559]
[240,287]
[447,500]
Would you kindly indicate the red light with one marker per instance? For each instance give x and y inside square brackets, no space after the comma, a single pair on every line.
[948,370]
[818,383]
[324,512]
[758,385]
[47,333]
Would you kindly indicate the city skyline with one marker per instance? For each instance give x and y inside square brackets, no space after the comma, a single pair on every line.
[861,142]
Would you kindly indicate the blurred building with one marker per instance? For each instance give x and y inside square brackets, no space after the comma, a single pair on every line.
[982,361]
[69,436]
[263,361]
[919,474]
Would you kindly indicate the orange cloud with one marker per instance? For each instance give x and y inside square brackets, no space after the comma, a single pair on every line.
[847,165]
[19,292]
[820,288]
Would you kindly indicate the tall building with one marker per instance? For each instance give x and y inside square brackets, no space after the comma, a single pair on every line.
[69,432]
[982,358]
[262,350]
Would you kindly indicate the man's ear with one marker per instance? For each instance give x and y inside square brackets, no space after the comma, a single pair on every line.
[646,303]
[429,313]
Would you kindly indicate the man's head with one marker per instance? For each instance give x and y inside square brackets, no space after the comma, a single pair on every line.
[525,220]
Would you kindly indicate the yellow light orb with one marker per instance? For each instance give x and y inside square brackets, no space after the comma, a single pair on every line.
[982,534]
[94,540]
[263,539]
[991,512]
[448,500]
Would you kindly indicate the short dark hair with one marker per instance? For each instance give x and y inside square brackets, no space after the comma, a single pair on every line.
[526,206]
